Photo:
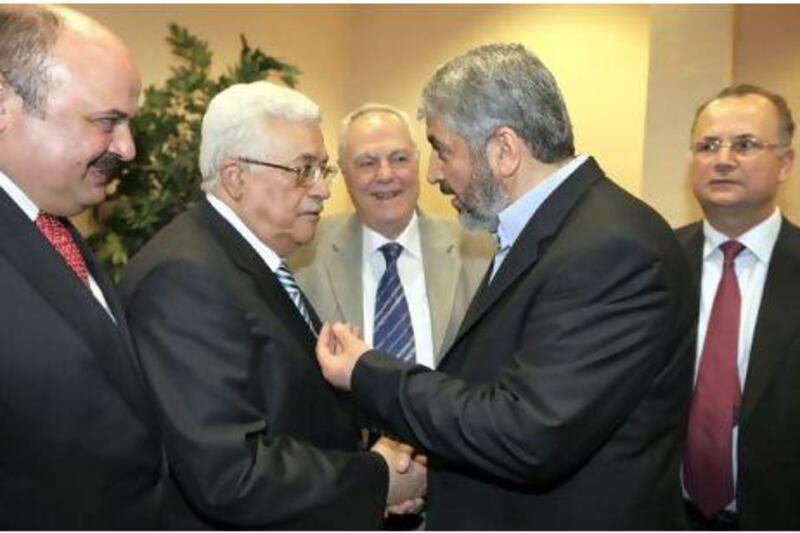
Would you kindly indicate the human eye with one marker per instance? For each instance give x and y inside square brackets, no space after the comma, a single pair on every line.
[366,163]
[399,157]
[706,146]
[745,145]
[106,124]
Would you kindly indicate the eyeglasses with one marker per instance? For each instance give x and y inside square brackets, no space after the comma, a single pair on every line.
[399,161]
[306,176]
[746,146]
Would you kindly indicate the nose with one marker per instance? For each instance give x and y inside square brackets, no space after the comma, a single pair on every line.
[385,170]
[122,142]
[321,189]
[725,160]
[434,169]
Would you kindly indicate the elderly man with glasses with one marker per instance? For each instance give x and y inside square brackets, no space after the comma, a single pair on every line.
[255,436]
[742,461]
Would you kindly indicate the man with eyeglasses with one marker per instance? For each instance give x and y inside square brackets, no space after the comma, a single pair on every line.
[742,461]
[439,265]
[255,436]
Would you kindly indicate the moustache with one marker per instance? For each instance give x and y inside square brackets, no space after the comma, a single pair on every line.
[444,188]
[108,163]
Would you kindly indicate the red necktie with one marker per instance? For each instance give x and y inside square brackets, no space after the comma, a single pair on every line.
[61,239]
[708,463]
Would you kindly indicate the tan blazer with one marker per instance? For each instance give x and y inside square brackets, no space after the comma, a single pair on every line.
[455,261]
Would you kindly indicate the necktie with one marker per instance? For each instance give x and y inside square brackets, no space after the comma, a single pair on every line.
[393,332]
[61,239]
[708,468]
[293,290]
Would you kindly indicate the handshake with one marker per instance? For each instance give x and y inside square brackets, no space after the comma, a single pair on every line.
[407,476]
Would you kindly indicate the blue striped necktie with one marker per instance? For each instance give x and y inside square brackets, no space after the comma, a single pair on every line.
[393,332]
[293,290]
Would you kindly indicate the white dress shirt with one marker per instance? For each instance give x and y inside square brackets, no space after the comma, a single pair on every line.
[32,212]
[751,267]
[267,254]
[412,276]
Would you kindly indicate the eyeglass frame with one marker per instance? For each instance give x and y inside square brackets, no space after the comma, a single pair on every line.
[757,146]
[303,175]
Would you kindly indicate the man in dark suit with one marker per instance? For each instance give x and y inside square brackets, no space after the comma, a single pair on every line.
[561,403]
[742,464]
[79,448]
[254,434]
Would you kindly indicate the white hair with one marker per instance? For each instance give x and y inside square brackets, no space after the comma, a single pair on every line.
[368,109]
[233,122]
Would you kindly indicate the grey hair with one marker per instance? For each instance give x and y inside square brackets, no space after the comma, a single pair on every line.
[367,109]
[233,122]
[27,35]
[785,122]
[499,85]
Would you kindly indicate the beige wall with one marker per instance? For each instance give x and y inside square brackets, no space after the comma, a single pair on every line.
[631,74]
[767,52]
[691,53]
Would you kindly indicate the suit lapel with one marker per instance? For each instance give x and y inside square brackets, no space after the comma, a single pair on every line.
[345,280]
[248,260]
[693,245]
[40,264]
[527,249]
[778,317]
[441,263]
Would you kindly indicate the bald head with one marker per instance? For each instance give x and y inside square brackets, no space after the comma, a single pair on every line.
[35,40]
[68,89]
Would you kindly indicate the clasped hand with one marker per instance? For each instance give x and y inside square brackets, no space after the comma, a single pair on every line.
[407,476]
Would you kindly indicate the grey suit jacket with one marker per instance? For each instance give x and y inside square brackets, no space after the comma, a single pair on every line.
[455,261]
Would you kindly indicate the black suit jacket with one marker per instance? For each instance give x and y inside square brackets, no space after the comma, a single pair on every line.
[768,484]
[562,402]
[78,449]
[254,434]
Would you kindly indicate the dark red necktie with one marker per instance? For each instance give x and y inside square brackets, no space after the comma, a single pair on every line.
[708,463]
[61,239]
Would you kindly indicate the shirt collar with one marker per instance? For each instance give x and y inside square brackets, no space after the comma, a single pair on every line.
[20,198]
[266,253]
[512,219]
[759,240]
[408,238]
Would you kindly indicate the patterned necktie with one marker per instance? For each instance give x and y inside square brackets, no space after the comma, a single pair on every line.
[708,468]
[293,290]
[393,332]
[61,239]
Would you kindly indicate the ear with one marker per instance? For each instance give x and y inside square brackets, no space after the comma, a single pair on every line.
[787,162]
[231,179]
[504,152]
[10,102]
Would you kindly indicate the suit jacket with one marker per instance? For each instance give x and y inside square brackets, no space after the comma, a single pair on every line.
[768,484]
[255,436]
[79,448]
[562,402]
[329,271]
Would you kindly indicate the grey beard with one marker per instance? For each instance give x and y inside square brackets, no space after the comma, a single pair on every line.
[484,200]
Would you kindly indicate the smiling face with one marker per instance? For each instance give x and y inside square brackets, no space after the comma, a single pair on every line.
[63,157]
[381,170]
[729,185]
[281,213]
